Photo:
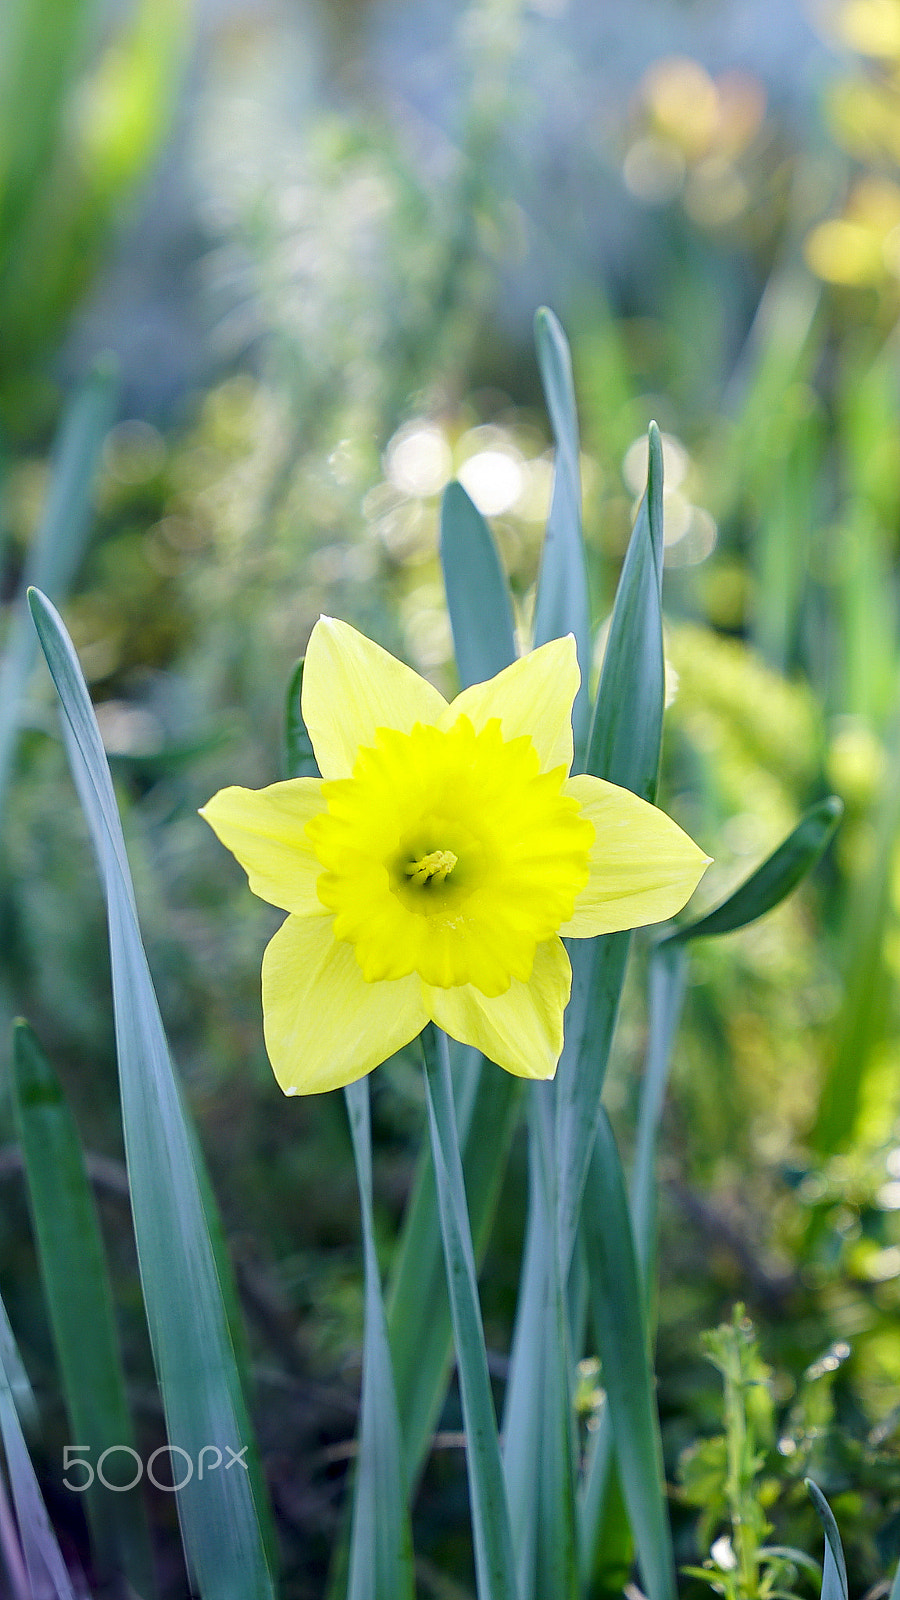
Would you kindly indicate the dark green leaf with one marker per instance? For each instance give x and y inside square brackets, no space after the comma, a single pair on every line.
[299,756]
[76,1286]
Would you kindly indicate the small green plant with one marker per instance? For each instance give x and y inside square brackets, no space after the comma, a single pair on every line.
[726,1476]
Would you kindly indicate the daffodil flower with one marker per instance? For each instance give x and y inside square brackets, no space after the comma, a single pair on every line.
[429,873]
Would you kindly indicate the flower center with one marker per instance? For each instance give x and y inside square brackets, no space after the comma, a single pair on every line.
[451,854]
[433,868]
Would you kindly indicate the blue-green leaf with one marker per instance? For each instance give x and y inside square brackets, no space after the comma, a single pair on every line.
[381,1540]
[623,748]
[617,1304]
[562,603]
[834,1574]
[494,1558]
[202,1396]
[481,616]
[666,985]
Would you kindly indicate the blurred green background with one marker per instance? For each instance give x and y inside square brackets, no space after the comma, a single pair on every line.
[313,238]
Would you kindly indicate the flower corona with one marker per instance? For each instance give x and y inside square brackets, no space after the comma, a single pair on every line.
[429,874]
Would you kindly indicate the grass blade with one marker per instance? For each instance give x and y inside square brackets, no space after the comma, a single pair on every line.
[494,1559]
[562,604]
[481,615]
[617,1304]
[775,879]
[79,1301]
[47,1572]
[381,1541]
[192,1348]
[59,542]
[834,1573]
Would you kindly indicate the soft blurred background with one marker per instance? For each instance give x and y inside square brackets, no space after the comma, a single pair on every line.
[313,237]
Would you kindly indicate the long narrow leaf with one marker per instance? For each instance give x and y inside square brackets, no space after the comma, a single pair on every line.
[523,1410]
[189,1333]
[775,879]
[481,616]
[47,1572]
[617,1302]
[834,1574]
[59,542]
[666,984]
[556,1568]
[623,748]
[494,1558]
[538,1443]
[76,1286]
[487,1109]
[381,1540]
[562,604]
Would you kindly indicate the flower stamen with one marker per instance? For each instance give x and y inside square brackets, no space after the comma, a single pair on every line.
[434,867]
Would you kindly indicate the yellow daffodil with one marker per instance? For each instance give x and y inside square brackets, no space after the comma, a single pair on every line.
[429,874]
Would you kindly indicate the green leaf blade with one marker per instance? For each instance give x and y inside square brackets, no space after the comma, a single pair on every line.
[381,1540]
[481,615]
[562,604]
[494,1558]
[774,880]
[834,1574]
[220,1519]
[79,1300]
[617,1301]
[623,748]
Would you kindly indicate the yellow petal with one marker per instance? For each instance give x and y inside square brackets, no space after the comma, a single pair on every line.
[325,1026]
[351,687]
[643,868]
[265,830]
[533,696]
[522,1030]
